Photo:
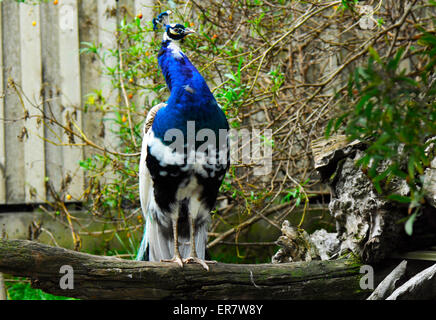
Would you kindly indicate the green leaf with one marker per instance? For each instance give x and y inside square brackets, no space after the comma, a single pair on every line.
[374,54]
[329,128]
[377,187]
[362,102]
[399,198]
[382,175]
[411,167]
[339,121]
[393,63]
[408,227]
[231,76]
[297,203]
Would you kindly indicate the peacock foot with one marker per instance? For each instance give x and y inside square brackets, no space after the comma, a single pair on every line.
[201,262]
[176,259]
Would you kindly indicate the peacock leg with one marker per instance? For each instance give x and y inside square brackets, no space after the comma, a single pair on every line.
[193,256]
[176,258]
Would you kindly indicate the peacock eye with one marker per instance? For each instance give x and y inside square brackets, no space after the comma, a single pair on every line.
[173,31]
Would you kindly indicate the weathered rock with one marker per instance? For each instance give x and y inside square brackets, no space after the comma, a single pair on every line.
[429,184]
[366,223]
[327,243]
[297,245]
[327,153]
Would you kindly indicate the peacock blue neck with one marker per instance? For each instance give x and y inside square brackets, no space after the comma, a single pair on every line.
[182,78]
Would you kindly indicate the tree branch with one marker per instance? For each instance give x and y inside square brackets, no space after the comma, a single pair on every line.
[387,286]
[100,277]
[421,286]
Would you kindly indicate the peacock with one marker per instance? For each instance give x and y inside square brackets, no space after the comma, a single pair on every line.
[184,158]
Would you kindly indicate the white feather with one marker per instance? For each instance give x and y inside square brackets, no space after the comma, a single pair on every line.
[145,182]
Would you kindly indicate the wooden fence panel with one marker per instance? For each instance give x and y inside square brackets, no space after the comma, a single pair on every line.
[39,55]
[2,124]
[31,84]
[107,25]
[14,164]
[52,93]
[69,68]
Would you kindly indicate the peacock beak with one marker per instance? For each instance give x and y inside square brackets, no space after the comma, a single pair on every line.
[189,31]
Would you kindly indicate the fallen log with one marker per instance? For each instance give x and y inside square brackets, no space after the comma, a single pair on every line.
[101,277]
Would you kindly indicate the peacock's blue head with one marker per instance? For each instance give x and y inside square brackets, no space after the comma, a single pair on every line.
[173,31]
[176,31]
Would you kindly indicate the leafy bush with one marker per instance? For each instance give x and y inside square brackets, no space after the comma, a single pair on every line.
[394,111]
